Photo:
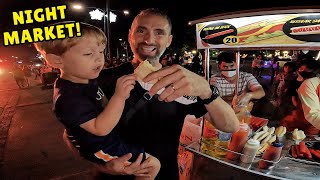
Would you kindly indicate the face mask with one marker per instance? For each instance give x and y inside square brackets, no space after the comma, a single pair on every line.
[306,75]
[229,73]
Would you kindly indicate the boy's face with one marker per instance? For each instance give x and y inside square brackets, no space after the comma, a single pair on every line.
[149,36]
[83,61]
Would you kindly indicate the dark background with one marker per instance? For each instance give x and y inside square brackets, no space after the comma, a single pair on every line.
[181,12]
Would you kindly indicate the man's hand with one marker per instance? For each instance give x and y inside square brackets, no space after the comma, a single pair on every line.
[244,98]
[120,166]
[178,82]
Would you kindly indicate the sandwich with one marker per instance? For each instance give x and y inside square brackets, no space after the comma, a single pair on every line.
[143,70]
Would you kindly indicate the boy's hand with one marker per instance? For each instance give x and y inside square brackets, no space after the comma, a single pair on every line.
[124,85]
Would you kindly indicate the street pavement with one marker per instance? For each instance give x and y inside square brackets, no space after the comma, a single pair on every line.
[31,145]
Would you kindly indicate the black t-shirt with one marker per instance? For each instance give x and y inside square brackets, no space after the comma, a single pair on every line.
[293,88]
[157,126]
[75,104]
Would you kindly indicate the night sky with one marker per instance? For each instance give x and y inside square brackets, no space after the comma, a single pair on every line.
[180,12]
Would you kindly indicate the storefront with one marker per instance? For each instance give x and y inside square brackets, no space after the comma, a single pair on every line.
[263,29]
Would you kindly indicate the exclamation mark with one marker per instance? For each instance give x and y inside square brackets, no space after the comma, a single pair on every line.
[78,29]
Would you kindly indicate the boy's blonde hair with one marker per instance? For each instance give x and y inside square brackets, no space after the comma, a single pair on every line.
[60,46]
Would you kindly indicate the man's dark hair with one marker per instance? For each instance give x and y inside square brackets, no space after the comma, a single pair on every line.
[292,67]
[311,64]
[155,12]
[227,57]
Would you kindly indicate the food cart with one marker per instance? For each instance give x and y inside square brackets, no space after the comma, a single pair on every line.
[293,28]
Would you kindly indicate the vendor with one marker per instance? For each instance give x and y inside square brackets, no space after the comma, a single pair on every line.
[248,86]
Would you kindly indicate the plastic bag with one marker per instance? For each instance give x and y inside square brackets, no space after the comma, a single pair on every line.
[191,132]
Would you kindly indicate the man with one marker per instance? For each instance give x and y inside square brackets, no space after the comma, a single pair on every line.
[309,94]
[157,124]
[248,86]
[257,65]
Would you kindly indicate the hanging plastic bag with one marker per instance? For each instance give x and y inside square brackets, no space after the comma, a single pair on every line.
[191,132]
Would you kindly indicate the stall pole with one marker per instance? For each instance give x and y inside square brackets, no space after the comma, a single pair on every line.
[207,64]
[237,72]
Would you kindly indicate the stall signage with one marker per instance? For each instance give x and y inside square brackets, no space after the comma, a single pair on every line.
[260,31]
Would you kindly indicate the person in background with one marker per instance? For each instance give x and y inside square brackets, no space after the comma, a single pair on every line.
[248,86]
[157,125]
[283,80]
[291,105]
[275,67]
[164,60]
[19,76]
[37,72]
[196,64]
[27,73]
[257,65]
[309,94]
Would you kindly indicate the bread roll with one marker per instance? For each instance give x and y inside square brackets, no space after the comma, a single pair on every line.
[143,70]
[298,134]
[280,131]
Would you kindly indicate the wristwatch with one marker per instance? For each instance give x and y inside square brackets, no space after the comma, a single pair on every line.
[214,95]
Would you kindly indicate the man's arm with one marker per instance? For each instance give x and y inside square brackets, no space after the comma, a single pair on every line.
[222,116]
[179,81]
[310,102]
[257,93]
[256,90]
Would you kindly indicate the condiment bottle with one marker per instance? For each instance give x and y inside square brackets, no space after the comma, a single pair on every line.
[222,143]
[238,140]
[249,151]
[272,153]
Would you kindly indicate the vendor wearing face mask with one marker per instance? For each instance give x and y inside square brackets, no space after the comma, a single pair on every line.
[248,86]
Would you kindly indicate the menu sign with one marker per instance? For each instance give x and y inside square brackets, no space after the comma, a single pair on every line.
[261,31]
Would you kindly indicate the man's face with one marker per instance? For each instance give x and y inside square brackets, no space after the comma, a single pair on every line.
[83,61]
[303,68]
[149,37]
[227,66]
[228,70]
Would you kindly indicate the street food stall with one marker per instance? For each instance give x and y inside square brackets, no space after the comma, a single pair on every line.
[278,154]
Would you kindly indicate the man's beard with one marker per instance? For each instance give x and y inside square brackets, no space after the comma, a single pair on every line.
[151,58]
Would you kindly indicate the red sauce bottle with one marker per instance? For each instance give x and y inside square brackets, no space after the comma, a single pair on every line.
[272,154]
[238,140]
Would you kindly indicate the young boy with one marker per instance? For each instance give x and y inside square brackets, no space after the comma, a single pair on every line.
[81,105]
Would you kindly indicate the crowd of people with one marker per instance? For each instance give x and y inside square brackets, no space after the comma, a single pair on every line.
[95,103]
[288,105]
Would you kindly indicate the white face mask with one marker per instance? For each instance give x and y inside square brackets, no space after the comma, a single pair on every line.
[229,73]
